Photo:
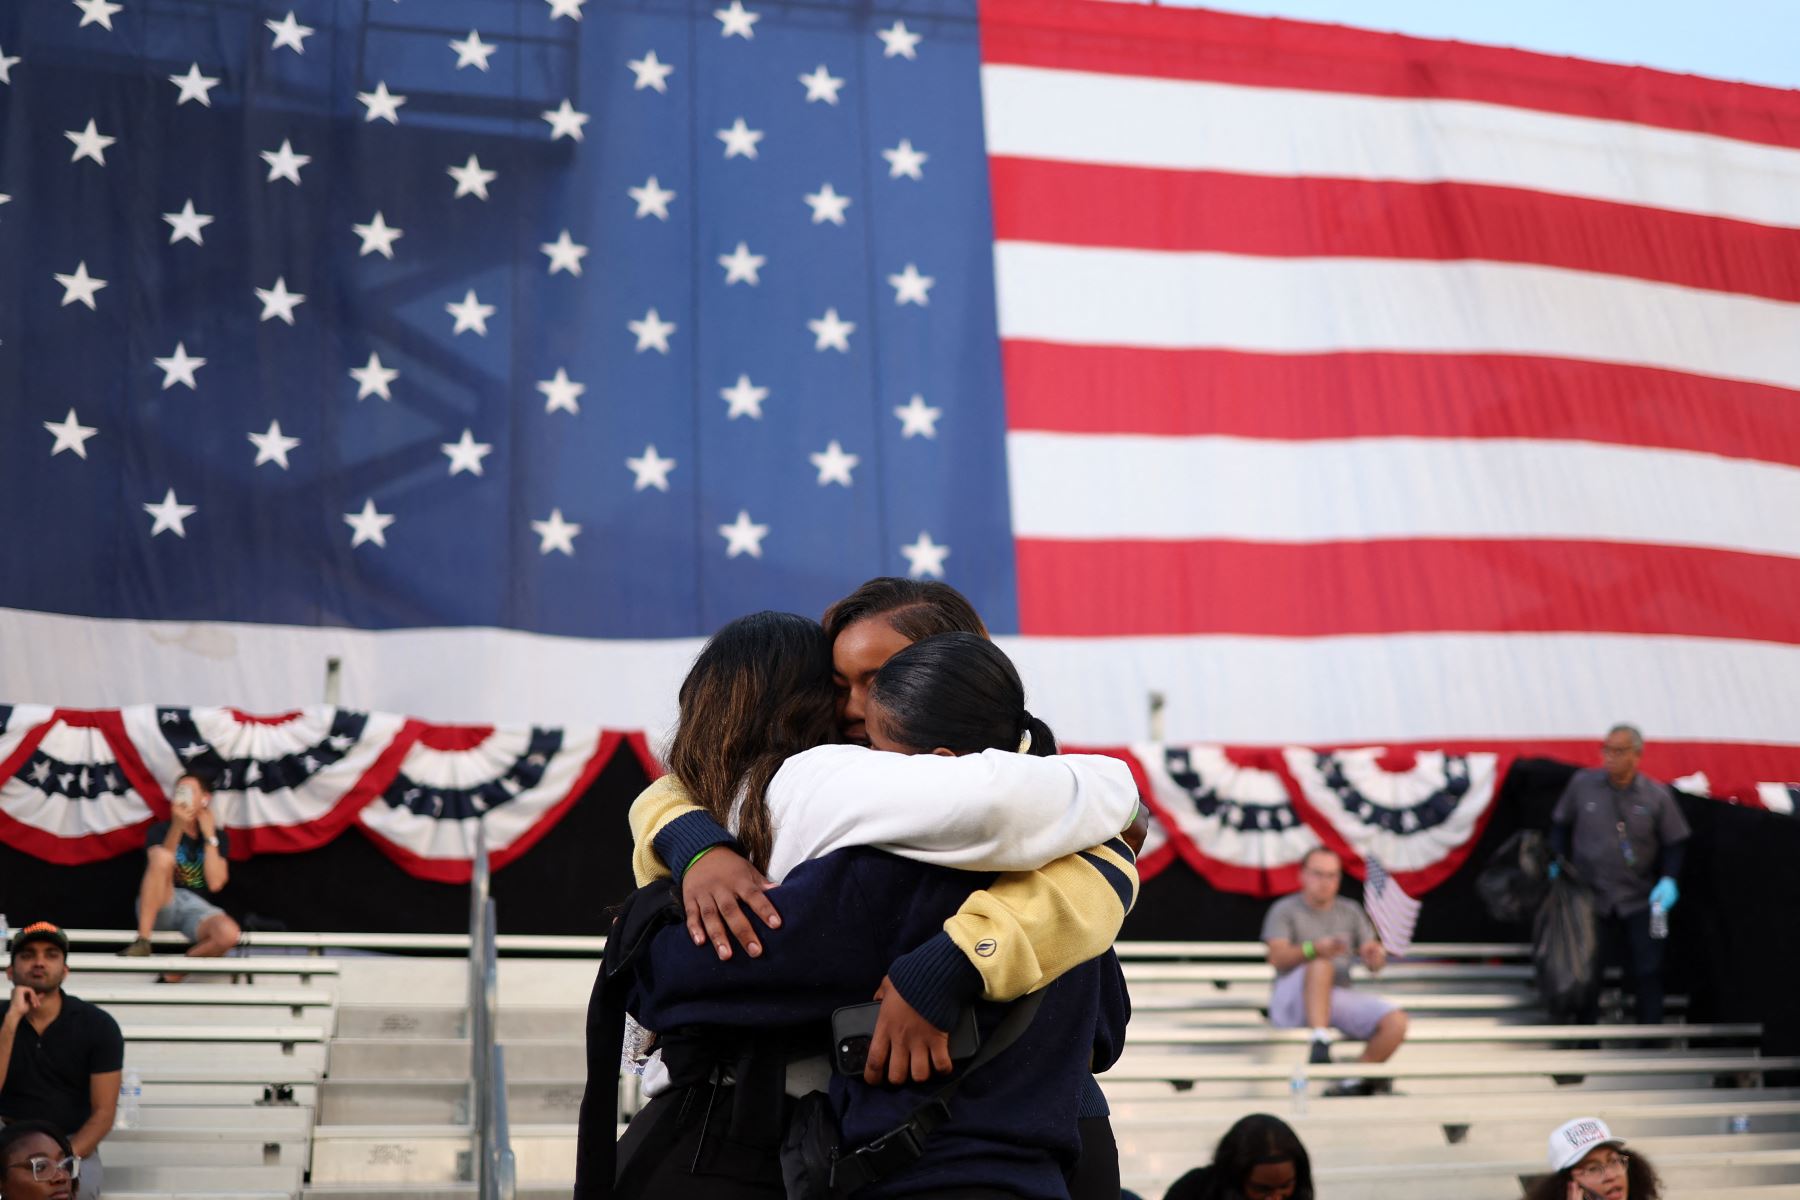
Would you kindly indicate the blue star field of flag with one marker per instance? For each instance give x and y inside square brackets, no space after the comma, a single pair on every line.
[571,316]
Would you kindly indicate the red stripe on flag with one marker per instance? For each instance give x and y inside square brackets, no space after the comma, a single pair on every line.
[1161,588]
[1110,389]
[1122,39]
[1149,209]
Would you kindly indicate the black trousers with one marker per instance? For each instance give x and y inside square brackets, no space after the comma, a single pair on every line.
[1626,942]
[1096,1175]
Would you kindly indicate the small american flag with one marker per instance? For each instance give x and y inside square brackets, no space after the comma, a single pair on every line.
[1394,912]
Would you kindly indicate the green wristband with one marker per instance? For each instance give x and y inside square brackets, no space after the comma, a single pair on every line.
[1306,948]
[710,849]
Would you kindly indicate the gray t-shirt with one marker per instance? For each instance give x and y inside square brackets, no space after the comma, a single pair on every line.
[1292,918]
[1595,809]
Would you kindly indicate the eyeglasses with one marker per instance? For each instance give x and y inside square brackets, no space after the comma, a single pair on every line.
[44,1167]
[1602,1167]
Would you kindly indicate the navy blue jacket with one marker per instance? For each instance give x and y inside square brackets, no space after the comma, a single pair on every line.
[844,919]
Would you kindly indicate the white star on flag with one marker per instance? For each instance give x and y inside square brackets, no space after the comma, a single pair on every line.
[80,287]
[565,254]
[926,557]
[470,313]
[472,51]
[278,301]
[284,163]
[290,33]
[373,379]
[187,224]
[651,469]
[179,367]
[377,236]
[565,121]
[89,143]
[821,85]
[904,161]
[743,536]
[70,434]
[466,453]
[737,20]
[273,446]
[831,332]
[97,12]
[652,199]
[917,417]
[382,104]
[368,525]
[566,8]
[561,392]
[827,205]
[745,399]
[472,179]
[910,286]
[169,515]
[652,332]
[742,266]
[194,86]
[740,140]
[7,63]
[651,72]
[834,466]
[898,42]
[556,534]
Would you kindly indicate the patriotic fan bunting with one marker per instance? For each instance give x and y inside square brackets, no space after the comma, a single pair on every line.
[515,784]
[1420,822]
[1228,815]
[283,783]
[1779,797]
[75,789]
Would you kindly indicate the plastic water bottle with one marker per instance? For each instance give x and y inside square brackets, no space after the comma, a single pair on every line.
[5,930]
[1659,922]
[1297,1090]
[1740,1123]
[131,1099]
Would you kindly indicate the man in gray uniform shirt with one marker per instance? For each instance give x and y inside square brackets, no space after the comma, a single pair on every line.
[1311,937]
[1625,835]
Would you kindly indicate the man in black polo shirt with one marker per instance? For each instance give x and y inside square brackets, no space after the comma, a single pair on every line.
[60,1057]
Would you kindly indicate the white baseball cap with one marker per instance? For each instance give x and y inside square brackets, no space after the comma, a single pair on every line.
[1574,1139]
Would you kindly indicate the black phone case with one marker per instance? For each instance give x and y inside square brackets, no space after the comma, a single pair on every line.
[853,1025]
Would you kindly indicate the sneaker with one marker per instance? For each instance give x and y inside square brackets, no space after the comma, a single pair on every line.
[1320,1054]
[139,948]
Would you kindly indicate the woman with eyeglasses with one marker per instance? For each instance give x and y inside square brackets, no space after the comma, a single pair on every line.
[36,1163]
[1588,1163]
[1259,1158]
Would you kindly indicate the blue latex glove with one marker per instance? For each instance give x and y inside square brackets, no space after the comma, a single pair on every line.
[1665,893]
[1555,869]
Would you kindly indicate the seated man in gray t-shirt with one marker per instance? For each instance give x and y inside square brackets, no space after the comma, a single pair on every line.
[1311,936]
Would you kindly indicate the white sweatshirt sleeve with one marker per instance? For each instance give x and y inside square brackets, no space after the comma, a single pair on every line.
[992,811]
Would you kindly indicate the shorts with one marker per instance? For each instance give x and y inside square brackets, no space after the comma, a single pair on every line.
[1354,1014]
[185,912]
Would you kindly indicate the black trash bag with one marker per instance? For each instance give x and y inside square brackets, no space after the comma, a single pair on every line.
[1516,878]
[1565,949]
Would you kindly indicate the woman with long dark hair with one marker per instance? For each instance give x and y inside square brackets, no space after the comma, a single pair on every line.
[1259,1158]
[1588,1163]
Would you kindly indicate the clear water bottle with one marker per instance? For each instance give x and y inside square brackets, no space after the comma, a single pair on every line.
[131,1100]
[1297,1090]
[1659,922]
[5,930]
[1740,1123]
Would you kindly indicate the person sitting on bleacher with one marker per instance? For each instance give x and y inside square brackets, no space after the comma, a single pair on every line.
[1311,936]
[61,1056]
[187,868]
[1259,1158]
[1588,1163]
[36,1163]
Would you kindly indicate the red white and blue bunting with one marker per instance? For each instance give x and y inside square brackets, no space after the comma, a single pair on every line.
[1227,814]
[79,786]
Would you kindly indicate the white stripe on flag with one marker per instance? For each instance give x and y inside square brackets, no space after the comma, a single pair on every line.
[1077,116]
[1124,486]
[1104,296]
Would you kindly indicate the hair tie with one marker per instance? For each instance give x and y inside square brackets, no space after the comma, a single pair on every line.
[1025,734]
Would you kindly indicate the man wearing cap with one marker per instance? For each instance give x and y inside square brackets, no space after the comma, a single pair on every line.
[1626,836]
[1589,1163]
[60,1057]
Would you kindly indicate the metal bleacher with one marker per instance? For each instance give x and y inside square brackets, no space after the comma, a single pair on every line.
[340,1066]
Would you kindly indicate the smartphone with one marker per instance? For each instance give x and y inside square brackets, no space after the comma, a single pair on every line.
[853,1026]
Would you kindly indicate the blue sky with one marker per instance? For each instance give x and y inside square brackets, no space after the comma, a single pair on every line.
[1753,40]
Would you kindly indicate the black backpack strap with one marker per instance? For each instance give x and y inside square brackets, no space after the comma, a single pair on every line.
[904,1144]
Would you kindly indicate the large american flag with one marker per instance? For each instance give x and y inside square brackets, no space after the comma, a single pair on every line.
[1337,386]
